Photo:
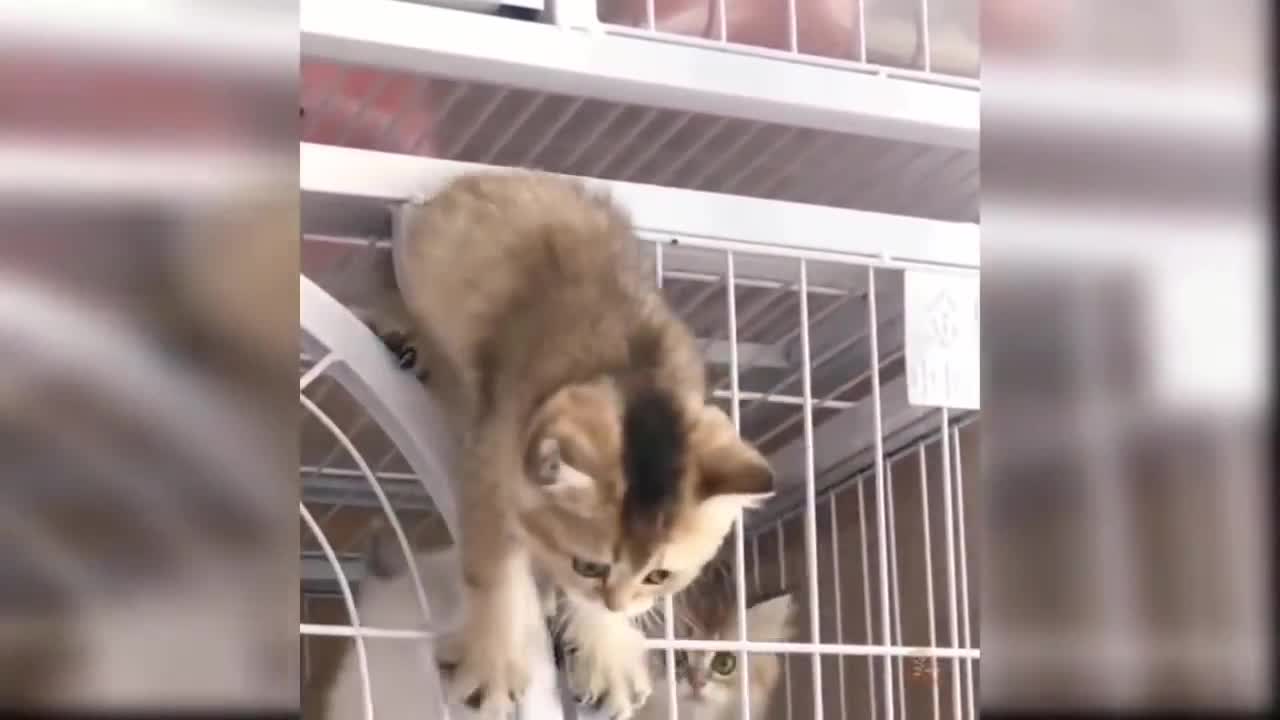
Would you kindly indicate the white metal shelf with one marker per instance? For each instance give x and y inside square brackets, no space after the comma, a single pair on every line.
[407,37]
[348,191]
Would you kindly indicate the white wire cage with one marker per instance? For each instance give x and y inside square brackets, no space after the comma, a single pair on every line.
[781,238]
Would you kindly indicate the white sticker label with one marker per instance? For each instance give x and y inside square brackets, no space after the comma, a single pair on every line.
[942,339]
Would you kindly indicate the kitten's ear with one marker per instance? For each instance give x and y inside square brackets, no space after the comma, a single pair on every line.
[546,468]
[771,620]
[543,461]
[728,465]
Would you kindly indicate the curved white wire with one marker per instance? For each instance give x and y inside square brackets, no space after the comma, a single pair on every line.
[332,427]
[362,657]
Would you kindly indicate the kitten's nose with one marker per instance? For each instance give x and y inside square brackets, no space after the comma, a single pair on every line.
[697,680]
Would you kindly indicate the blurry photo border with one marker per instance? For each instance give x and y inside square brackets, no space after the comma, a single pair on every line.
[148,354]
[1127,385]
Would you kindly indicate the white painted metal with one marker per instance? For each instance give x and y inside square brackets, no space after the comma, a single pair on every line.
[620,68]
[739,559]
[810,491]
[368,180]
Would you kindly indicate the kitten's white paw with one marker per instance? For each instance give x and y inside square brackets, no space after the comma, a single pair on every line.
[486,667]
[611,673]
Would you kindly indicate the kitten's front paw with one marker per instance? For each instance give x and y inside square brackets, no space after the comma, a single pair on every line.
[485,668]
[611,675]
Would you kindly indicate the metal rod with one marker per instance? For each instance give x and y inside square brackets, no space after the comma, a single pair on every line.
[836,581]
[668,609]
[665,176]
[744,687]
[438,119]
[964,573]
[653,146]
[565,116]
[811,648]
[394,521]
[928,579]
[811,514]
[897,597]
[924,36]
[362,658]
[497,145]
[476,122]
[782,582]
[949,528]
[621,144]
[881,504]
[793,27]
[866,594]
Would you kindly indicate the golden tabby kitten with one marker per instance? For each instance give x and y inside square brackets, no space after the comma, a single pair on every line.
[588,445]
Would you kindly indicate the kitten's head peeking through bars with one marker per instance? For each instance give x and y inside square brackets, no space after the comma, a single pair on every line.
[633,489]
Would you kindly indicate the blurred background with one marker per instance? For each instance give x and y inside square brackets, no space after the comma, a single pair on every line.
[148,343]
[1125,355]
[148,270]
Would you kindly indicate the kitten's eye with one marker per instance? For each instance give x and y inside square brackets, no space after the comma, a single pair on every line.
[657,577]
[724,663]
[588,569]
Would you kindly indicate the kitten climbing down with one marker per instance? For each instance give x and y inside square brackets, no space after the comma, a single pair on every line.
[588,446]
[401,670]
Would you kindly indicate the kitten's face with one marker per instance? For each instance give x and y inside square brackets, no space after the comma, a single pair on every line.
[628,494]
[709,680]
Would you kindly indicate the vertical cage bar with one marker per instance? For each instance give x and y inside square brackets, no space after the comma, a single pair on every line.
[897,596]
[881,493]
[924,36]
[793,27]
[866,594]
[964,574]
[740,580]
[948,508]
[722,20]
[650,17]
[810,494]
[862,30]
[668,607]
[782,581]
[928,579]
[836,582]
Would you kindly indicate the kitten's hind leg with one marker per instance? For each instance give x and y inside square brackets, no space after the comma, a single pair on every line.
[488,662]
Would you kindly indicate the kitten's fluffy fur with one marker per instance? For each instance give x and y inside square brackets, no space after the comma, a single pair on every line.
[707,610]
[400,670]
[581,404]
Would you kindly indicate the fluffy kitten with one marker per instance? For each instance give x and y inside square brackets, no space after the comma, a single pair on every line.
[707,682]
[399,670]
[588,445]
